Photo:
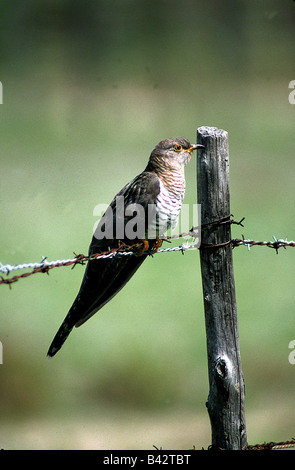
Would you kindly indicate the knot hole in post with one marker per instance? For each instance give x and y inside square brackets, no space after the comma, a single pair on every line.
[223,374]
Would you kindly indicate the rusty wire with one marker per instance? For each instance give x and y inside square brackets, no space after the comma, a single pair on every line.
[45,266]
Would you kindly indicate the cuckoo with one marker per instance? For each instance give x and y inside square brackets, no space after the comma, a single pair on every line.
[155,196]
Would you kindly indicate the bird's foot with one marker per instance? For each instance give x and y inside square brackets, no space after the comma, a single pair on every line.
[158,243]
[144,246]
[148,247]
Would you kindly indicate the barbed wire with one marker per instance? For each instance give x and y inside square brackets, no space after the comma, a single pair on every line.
[276,244]
[44,266]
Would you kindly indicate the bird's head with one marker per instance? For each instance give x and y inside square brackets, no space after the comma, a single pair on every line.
[171,154]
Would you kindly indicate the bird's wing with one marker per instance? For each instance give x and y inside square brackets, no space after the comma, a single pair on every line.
[104,278]
[137,196]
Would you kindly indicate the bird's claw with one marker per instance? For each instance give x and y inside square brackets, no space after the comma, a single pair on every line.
[146,247]
[157,245]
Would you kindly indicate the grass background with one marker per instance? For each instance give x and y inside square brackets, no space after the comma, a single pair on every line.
[88,90]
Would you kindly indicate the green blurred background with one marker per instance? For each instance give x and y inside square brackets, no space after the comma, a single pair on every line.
[88,89]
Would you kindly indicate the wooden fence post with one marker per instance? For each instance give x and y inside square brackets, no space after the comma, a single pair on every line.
[226,385]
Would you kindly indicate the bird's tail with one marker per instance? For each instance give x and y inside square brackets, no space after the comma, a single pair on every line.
[60,337]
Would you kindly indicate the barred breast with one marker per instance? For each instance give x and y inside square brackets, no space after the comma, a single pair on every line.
[168,206]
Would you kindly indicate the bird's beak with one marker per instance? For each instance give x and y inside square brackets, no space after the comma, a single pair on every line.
[194,147]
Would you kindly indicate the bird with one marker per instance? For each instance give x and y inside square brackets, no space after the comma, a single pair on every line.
[156,196]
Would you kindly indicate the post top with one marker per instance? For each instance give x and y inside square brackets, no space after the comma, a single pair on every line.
[207,131]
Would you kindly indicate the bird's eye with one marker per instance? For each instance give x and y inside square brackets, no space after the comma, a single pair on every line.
[177,147]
